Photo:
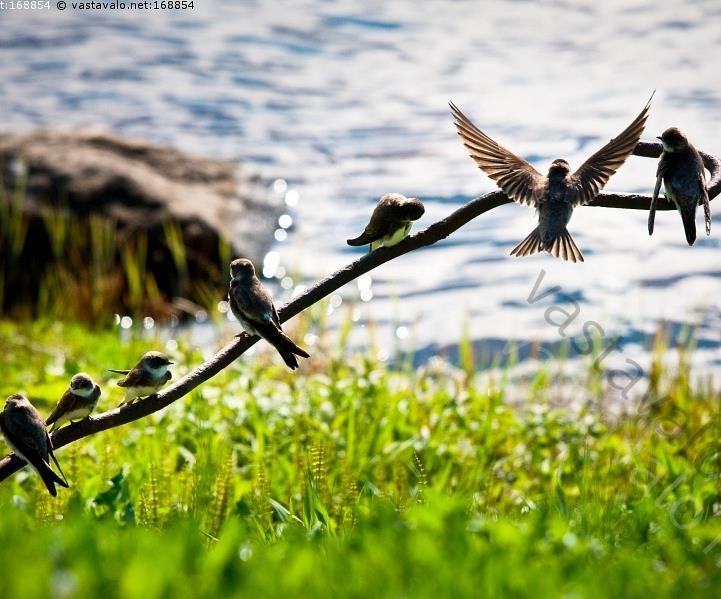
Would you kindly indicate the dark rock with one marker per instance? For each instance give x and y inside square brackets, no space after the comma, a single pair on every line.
[141,187]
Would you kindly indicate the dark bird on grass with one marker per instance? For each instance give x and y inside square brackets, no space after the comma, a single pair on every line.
[556,194]
[252,305]
[25,433]
[390,222]
[146,378]
[684,179]
[77,403]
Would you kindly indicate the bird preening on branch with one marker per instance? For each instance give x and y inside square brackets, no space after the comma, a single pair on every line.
[493,156]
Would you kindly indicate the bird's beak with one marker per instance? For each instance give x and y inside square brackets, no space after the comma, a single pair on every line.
[169,363]
[659,137]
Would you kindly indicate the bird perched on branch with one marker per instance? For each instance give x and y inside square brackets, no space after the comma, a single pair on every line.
[77,403]
[390,222]
[252,305]
[682,172]
[556,194]
[146,377]
[25,433]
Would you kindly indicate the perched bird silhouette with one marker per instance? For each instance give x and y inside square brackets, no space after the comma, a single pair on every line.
[252,305]
[556,194]
[77,403]
[146,377]
[682,172]
[390,222]
[25,433]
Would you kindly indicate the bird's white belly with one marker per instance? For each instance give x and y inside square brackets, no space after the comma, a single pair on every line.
[394,238]
[140,391]
[78,414]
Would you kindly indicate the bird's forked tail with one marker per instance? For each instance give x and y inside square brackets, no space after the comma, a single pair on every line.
[562,246]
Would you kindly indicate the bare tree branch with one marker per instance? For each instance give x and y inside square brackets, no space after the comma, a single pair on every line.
[434,233]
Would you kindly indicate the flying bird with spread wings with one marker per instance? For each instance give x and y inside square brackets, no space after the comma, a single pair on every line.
[556,194]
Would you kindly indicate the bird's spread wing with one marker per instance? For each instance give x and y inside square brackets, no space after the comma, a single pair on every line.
[593,174]
[516,177]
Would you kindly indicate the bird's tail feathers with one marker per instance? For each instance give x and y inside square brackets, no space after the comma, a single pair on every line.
[689,224]
[118,371]
[48,476]
[565,248]
[287,349]
[562,246]
[362,239]
[51,452]
[529,246]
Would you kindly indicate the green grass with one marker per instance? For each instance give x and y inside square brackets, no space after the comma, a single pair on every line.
[352,479]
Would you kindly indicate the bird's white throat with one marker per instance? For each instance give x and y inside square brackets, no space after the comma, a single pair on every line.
[157,372]
[83,392]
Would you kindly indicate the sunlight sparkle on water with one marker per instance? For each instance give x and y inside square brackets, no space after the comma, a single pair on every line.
[292,198]
[270,264]
[280,186]
[364,282]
